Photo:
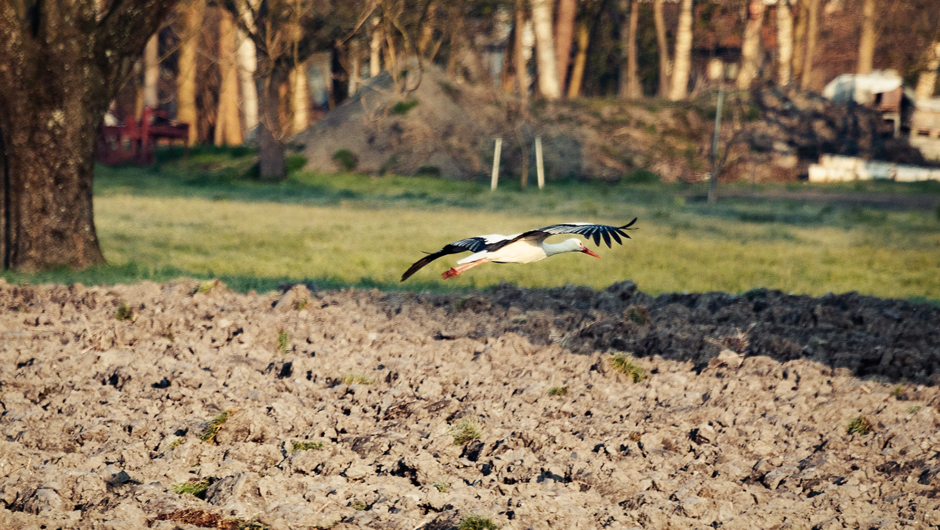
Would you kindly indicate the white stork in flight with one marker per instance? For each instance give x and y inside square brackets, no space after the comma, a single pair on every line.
[526,247]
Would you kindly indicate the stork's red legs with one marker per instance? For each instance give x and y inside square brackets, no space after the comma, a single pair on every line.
[454,271]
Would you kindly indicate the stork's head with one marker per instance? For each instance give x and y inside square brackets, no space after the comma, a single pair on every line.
[578,246]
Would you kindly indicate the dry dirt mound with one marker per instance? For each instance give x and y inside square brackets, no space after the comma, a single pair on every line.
[341,409]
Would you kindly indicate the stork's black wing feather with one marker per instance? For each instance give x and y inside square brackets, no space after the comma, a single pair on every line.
[471,244]
[588,230]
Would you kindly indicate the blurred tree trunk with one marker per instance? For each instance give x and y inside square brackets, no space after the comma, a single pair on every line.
[355,66]
[629,82]
[812,35]
[927,80]
[544,49]
[247,59]
[228,128]
[520,57]
[191,15]
[680,72]
[62,64]
[662,46]
[580,60]
[751,46]
[866,45]
[152,72]
[784,42]
[271,153]
[375,51]
[300,98]
[799,39]
[564,36]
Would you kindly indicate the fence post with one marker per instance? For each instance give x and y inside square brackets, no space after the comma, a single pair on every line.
[495,178]
[540,171]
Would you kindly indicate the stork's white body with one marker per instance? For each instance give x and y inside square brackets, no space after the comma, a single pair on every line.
[523,251]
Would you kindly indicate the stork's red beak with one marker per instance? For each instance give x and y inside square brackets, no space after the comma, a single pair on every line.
[588,252]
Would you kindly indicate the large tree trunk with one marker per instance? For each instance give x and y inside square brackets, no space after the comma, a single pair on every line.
[375,52]
[784,42]
[191,15]
[564,36]
[62,64]
[812,34]
[228,127]
[545,49]
[680,72]
[866,45]
[927,80]
[662,46]
[580,60]
[750,46]
[271,155]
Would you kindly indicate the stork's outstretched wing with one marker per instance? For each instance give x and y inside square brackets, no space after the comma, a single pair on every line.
[471,244]
[588,230]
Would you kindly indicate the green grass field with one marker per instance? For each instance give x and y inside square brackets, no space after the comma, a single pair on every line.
[204,218]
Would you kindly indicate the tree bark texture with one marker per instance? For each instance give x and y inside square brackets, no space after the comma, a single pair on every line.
[866,45]
[545,49]
[271,161]
[784,42]
[662,46]
[750,46]
[812,34]
[564,36]
[228,126]
[683,63]
[927,80]
[191,16]
[61,63]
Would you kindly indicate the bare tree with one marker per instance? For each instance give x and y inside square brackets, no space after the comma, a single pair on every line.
[545,49]
[665,63]
[564,36]
[191,15]
[866,45]
[151,72]
[62,64]
[812,35]
[784,42]
[683,63]
[751,45]
[580,60]
[629,86]
[228,122]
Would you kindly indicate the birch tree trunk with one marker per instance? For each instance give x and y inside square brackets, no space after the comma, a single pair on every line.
[680,72]
[564,35]
[228,128]
[545,50]
[151,72]
[784,42]
[375,52]
[662,46]
[927,80]
[186,112]
[580,60]
[247,58]
[750,47]
[866,45]
[812,34]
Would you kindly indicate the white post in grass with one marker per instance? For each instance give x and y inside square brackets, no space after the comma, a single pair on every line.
[540,171]
[495,179]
